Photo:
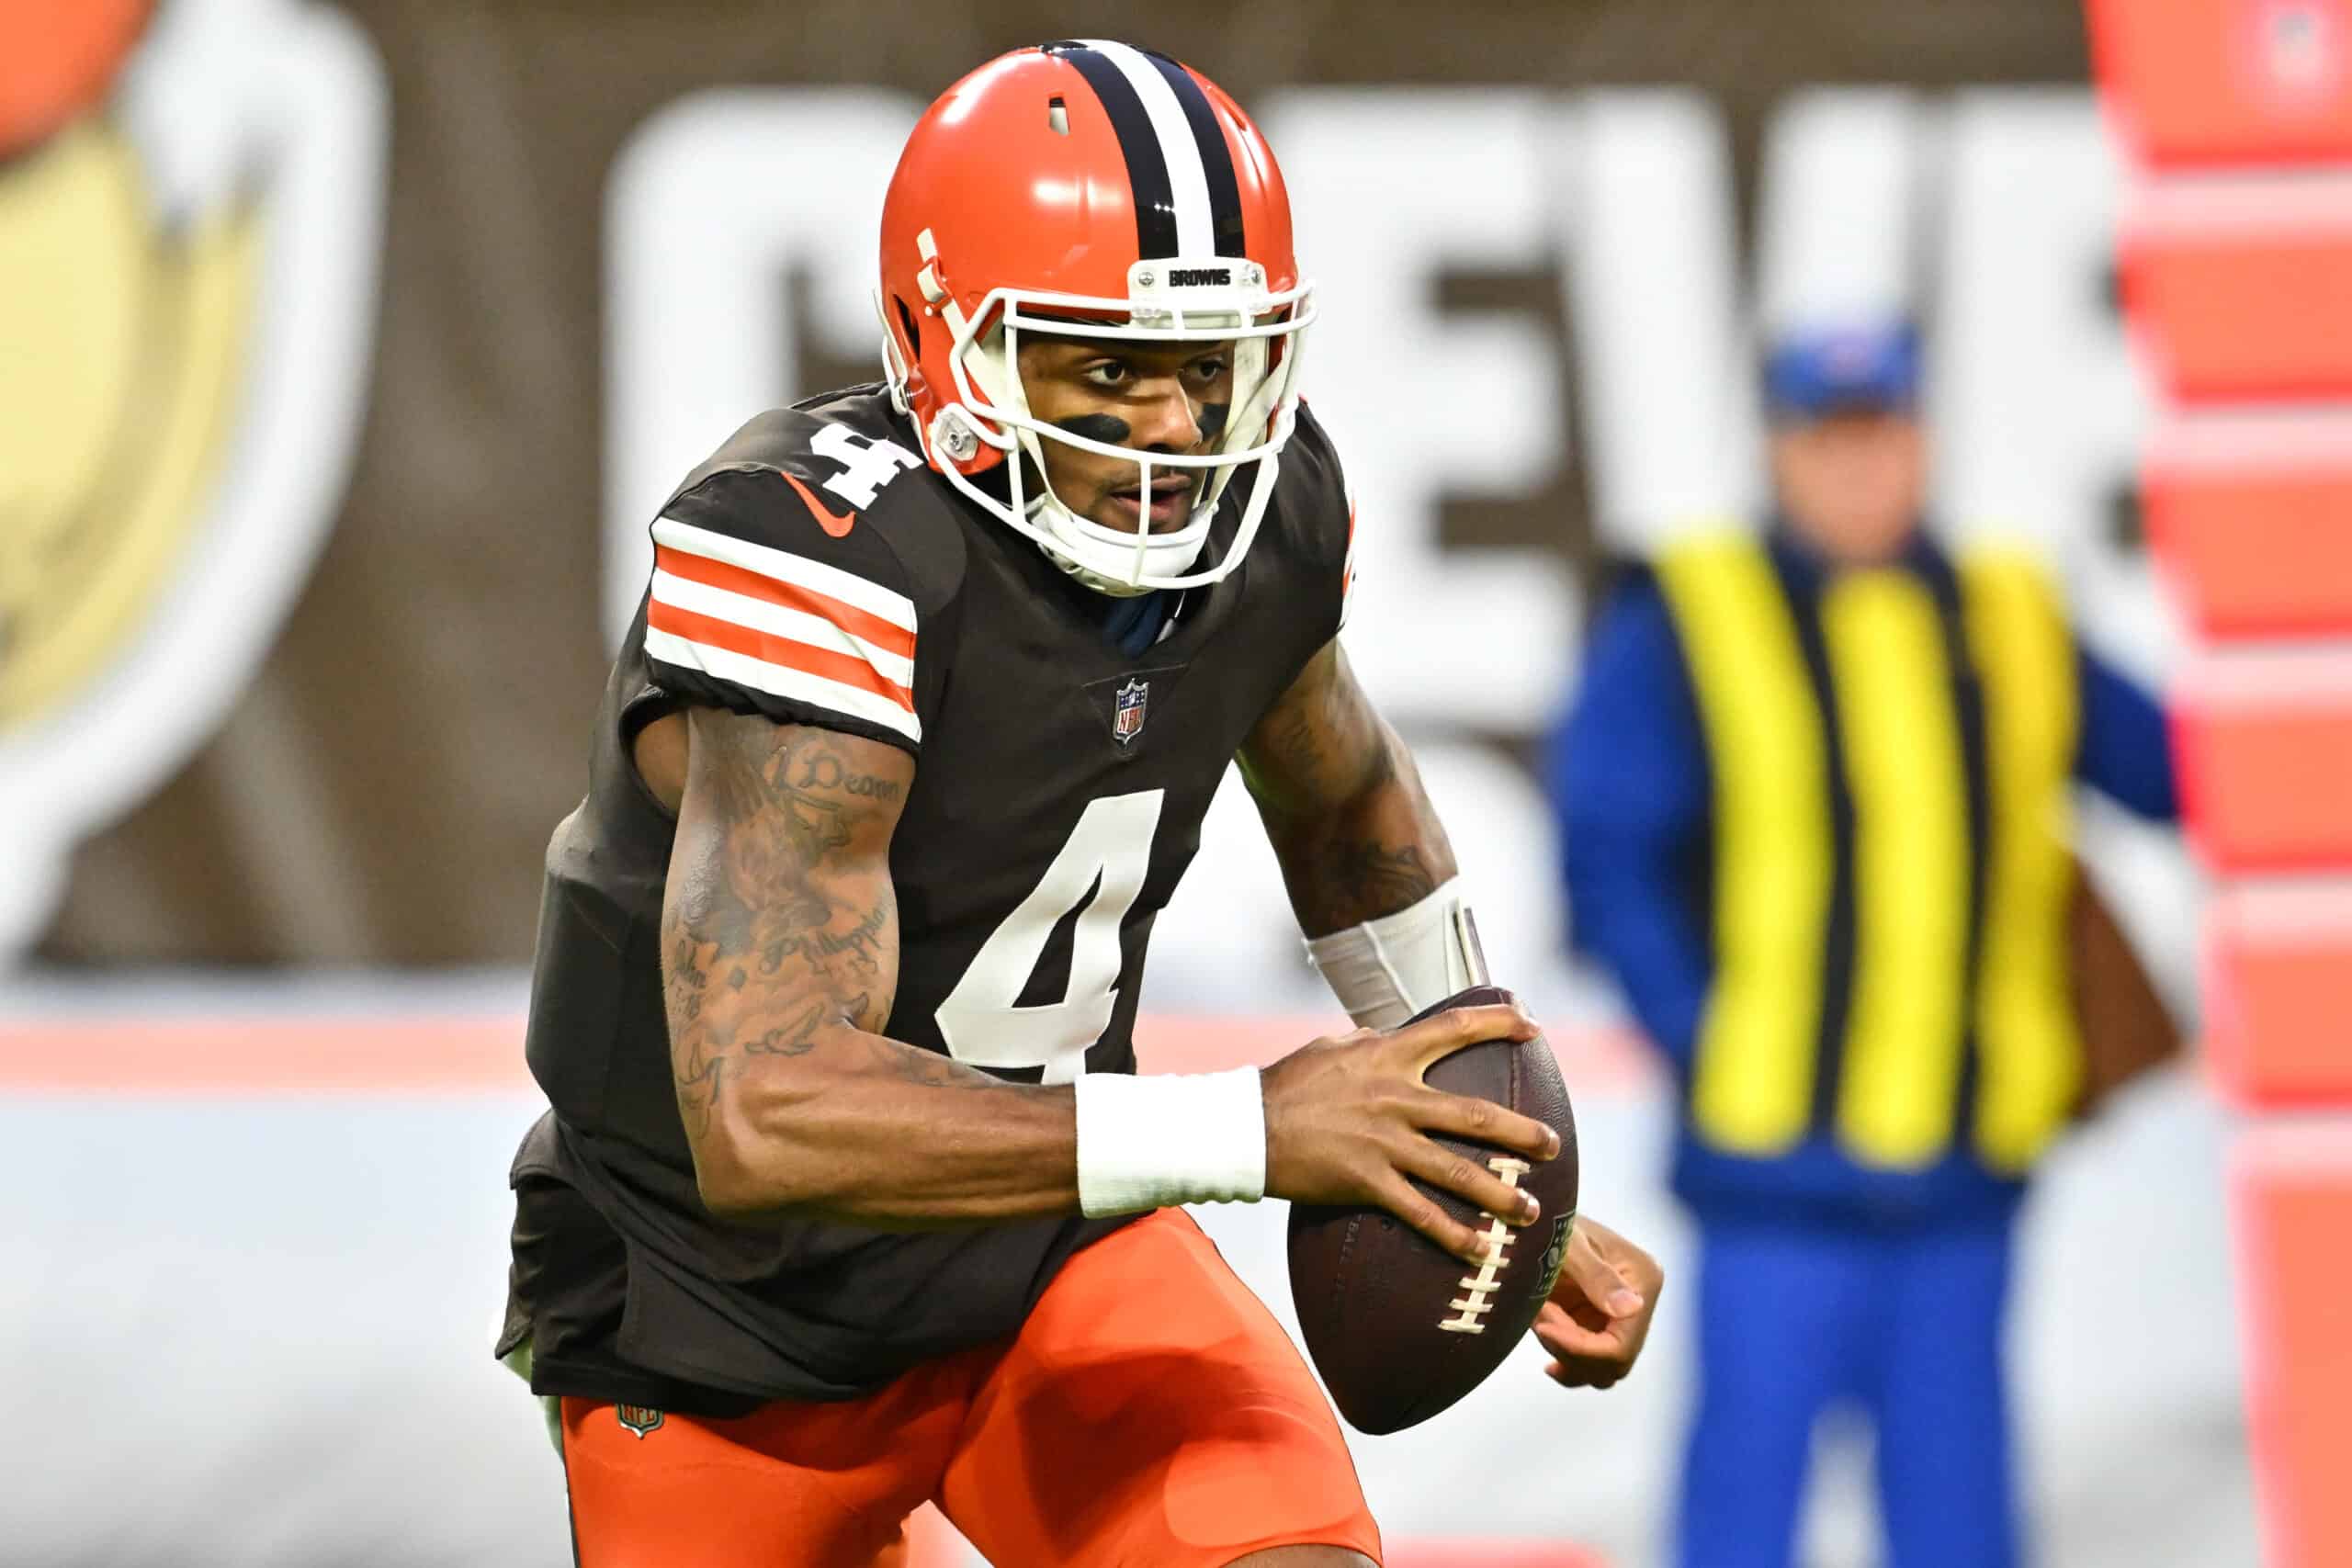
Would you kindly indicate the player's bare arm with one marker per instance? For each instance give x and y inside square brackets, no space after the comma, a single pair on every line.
[779,941]
[1342,803]
[1359,842]
[779,955]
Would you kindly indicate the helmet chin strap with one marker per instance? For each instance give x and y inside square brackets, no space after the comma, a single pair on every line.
[1062,532]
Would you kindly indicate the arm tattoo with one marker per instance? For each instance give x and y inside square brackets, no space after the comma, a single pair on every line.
[927,1070]
[1320,744]
[1364,875]
[1342,803]
[776,926]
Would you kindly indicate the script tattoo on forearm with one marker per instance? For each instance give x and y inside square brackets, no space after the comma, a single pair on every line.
[769,935]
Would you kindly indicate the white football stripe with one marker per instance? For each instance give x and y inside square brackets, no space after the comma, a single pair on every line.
[780,680]
[786,567]
[793,626]
[1188,178]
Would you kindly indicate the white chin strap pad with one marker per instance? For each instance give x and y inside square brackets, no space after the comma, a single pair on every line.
[1386,970]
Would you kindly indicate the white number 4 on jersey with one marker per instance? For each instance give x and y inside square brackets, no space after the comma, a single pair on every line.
[981,1020]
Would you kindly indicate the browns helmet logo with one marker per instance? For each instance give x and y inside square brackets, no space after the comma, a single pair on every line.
[174,435]
[639,1418]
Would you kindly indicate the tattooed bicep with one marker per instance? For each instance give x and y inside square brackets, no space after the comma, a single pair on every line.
[1320,743]
[779,920]
[821,790]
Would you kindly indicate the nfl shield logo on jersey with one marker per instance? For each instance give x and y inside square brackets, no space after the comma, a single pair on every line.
[1127,710]
[638,1418]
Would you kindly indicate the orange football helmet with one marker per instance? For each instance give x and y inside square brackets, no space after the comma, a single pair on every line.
[1092,188]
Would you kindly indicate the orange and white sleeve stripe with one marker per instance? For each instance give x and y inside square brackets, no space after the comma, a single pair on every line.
[783,624]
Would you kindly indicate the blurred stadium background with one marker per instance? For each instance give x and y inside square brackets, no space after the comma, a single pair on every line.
[344,349]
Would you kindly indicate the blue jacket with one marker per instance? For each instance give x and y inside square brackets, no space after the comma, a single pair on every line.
[1629,780]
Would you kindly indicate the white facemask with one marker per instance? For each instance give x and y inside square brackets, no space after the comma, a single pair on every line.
[1220,300]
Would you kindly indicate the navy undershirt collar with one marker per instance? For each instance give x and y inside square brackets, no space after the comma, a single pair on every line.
[1133,625]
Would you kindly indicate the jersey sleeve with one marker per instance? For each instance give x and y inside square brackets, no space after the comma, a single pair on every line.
[768,598]
[1330,525]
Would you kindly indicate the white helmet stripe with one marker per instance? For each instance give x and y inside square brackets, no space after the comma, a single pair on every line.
[1188,180]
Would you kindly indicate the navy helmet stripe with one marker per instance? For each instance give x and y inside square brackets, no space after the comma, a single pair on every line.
[1154,201]
[1216,159]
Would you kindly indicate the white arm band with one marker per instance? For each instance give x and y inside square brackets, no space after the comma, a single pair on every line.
[1386,970]
[1151,1143]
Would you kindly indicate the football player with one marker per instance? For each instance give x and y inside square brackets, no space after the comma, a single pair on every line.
[849,1197]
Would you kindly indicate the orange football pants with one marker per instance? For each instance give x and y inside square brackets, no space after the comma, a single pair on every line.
[1150,1412]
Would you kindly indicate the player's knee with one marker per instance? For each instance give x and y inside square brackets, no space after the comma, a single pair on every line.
[1304,1557]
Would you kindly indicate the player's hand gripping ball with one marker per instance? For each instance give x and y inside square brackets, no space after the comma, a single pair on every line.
[1399,1328]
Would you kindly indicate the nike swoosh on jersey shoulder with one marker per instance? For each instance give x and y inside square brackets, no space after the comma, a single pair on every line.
[837,523]
[910,536]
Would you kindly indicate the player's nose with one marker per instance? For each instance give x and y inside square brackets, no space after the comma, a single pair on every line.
[1170,421]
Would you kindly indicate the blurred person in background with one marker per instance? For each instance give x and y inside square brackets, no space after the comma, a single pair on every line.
[1813,795]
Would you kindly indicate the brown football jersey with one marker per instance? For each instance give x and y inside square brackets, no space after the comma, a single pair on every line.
[816,571]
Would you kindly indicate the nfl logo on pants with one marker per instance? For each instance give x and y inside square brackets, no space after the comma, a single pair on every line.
[1127,710]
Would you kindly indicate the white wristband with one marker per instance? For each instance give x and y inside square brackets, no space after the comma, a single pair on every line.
[1386,970]
[1151,1143]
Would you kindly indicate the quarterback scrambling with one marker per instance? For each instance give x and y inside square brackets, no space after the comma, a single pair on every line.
[849,1197]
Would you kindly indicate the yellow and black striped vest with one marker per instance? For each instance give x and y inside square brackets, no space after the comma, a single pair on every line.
[1891,874]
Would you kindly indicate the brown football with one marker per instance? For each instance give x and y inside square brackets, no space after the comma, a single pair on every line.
[1399,1328]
